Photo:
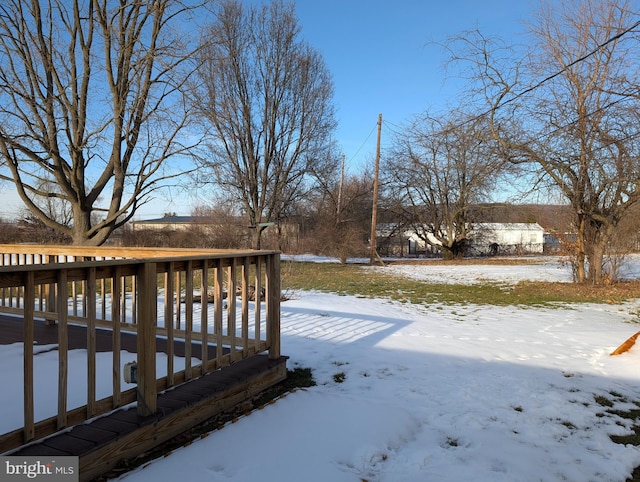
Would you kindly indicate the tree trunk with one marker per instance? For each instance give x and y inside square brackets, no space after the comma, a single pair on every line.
[256,238]
[595,259]
[81,226]
[82,232]
[580,256]
[599,244]
[455,251]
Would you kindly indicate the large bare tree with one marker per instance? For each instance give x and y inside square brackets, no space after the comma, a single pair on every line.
[90,107]
[267,96]
[571,109]
[438,170]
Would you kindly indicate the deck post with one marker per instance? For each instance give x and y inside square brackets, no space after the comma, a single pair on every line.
[273,305]
[128,281]
[147,293]
[28,341]
[50,295]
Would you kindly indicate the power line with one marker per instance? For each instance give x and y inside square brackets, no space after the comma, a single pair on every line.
[554,75]
[526,91]
[571,64]
[392,127]
[363,142]
[575,121]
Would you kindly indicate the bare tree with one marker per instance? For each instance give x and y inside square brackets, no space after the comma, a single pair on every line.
[438,170]
[222,227]
[267,97]
[52,205]
[340,216]
[90,103]
[567,110]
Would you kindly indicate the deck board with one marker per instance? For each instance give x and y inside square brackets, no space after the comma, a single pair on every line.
[98,434]
[104,440]
[11,331]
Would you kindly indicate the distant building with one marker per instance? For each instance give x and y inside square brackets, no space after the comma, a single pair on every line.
[485,239]
[175,223]
[507,238]
[229,231]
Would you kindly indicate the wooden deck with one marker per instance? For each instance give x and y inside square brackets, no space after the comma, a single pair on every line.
[143,301]
[102,442]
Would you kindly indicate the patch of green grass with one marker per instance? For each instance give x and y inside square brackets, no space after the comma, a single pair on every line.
[631,439]
[296,378]
[452,442]
[603,401]
[628,414]
[339,377]
[362,281]
[633,414]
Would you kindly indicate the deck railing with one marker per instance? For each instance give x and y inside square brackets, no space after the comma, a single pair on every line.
[223,306]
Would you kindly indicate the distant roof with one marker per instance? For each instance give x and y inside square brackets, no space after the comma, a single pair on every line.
[509,226]
[485,226]
[176,220]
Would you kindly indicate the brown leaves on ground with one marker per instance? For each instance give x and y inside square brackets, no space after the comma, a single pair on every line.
[612,293]
[466,261]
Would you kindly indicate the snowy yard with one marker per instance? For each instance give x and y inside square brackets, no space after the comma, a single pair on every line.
[435,393]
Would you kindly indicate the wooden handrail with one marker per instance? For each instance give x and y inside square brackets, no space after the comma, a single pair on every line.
[151,295]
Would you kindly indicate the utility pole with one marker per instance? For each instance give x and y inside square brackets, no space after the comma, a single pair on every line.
[339,208]
[374,208]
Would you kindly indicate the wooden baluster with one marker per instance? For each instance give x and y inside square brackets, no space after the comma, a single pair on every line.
[217,310]
[257,305]
[204,315]
[28,335]
[116,302]
[90,315]
[63,347]
[231,307]
[245,306]
[147,294]
[273,305]
[188,320]
[169,278]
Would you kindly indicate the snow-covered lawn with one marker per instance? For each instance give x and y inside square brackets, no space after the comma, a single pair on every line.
[435,393]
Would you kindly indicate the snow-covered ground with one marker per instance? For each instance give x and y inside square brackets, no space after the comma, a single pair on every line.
[548,269]
[435,393]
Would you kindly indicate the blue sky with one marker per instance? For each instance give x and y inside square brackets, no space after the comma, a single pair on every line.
[384,58]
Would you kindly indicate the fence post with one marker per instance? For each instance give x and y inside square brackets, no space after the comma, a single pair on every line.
[147,305]
[273,305]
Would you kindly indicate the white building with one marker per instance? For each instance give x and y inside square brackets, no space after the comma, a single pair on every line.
[507,238]
[484,239]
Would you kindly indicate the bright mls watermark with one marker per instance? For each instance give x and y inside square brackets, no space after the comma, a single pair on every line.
[51,468]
